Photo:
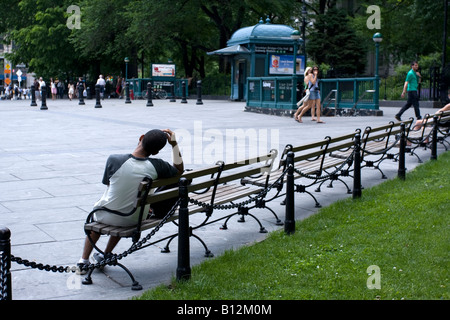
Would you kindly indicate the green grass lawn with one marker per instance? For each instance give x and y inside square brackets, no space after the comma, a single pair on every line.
[402,227]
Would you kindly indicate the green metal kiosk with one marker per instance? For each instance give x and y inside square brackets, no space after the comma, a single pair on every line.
[262,65]
[163,77]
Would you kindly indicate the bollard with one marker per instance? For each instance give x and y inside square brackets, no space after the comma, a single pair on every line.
[97,96]
[5,264]
[199,92]
[44,98]
[289,220]
[149,94]
[80,95]
[434,139]
[33,96]
[183,268]
[401,154]
[172,89]
[127,92]
[357,168]
[183,93]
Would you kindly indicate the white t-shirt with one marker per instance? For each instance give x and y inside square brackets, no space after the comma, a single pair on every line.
[123,174]
[101,82]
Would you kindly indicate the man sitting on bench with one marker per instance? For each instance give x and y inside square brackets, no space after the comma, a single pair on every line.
[122,176]
[419,123]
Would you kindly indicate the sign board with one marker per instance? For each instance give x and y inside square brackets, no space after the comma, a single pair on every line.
[7,78]
[163,70]
[284,64]
[7,74]
[273,48]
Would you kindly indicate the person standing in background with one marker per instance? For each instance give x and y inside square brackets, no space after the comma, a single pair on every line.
[411,86]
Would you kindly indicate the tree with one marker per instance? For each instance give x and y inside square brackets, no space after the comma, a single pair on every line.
[41,39]
[410,28]
[334,42]
[102,39]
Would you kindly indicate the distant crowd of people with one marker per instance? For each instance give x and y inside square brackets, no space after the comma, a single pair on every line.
[110,87]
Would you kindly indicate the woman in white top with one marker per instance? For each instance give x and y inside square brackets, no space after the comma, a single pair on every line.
[71,91]
[304,104]
[54,89]
[314,97]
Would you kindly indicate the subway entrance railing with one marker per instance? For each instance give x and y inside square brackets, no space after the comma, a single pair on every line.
[339,96]
[274,95]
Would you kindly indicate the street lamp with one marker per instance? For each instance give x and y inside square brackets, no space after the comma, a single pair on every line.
[126,60]
[377,38]
[295,36]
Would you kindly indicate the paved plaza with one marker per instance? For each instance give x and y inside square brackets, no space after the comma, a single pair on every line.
[51,168]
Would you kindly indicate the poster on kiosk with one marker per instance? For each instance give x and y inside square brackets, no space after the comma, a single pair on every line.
[282,64]
[163,76]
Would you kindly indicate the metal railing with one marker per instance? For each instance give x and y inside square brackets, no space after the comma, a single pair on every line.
[353,93]
[282,93]
[273,92]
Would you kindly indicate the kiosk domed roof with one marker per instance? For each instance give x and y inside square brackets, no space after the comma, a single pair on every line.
[262,33]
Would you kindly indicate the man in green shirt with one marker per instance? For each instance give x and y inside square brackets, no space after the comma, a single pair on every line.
[411,85]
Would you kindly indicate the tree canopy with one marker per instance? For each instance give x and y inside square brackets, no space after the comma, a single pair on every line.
[155,31]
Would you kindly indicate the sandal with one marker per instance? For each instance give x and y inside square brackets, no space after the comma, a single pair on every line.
[320,121]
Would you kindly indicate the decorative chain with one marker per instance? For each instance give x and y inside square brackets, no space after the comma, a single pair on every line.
[3,277]
[261,195]
[107,261]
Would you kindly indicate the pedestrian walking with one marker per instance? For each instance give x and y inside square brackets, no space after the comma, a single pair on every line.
[53,88]
[314,97]
[413,79]
[102,83]
[71,91]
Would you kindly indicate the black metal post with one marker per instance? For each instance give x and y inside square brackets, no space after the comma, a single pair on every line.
[199,92]
[149,94]
[183,268]
[127,92]
[44,98]
[183,93]
[97,96]
[172,89]
[33,96]
[80,95]
[434,139]
[401,155]
[357,168]
[289,221]
[5,264]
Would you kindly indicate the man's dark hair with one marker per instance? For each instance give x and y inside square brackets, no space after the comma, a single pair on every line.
[153,141]
[413,63]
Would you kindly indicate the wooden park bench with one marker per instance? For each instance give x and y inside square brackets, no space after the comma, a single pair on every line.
[443,129]
[314,164]
[422,136]
[379,144]
[211,189]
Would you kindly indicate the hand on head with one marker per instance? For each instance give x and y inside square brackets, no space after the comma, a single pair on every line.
[170,136]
